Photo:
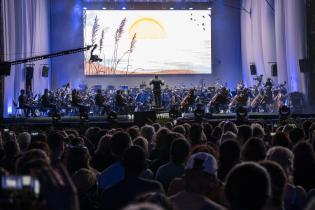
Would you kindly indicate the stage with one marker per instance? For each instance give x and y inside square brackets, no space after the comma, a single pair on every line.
[129,120]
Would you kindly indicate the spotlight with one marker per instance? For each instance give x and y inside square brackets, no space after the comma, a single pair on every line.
[190,8]
[104,8]
[171,8]
[55,117]
[241,114]
[284,112]
[174,112]
[111,115]
[123,8]
[84,116]
[209,8]
[199,112]
[84,8]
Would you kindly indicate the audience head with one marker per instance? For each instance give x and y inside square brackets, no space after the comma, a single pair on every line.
[283,156]
[278,183]
[78,157]
[119,143]
[84,179]
[230,155]
[254,150]
[179,151]
[148,132]
[195,135]
[156,198]
[217,133]
[247,187]
[168,125]
[306,126]
[143,206]
[103,146]
[229,126]
[56,144]
[258,130]
[143,143]
[134,161]
[40,145]
[296,135]
[228,136]
[180,129]
[11,149]
[244,133]
[281,139]
[134,132]
[201,173]
[156,126]
[24,140]
[34,159]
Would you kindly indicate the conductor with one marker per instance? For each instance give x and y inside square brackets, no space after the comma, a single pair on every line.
[157,83]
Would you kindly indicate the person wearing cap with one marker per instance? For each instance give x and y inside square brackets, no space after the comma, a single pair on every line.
[200,179]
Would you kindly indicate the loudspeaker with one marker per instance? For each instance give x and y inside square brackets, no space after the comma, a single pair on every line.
[29,73]
[45,71]
[5,68]
[141,118]
[274,70]
[252,68]
[304,65]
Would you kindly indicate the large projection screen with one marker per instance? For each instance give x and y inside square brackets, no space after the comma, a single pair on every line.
[132,42]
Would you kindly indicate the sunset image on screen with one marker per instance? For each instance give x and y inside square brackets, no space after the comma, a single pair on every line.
[148,42]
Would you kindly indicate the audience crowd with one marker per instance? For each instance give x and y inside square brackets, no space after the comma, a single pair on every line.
[195,166]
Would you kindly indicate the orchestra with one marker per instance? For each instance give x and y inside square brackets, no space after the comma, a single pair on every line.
[262,97]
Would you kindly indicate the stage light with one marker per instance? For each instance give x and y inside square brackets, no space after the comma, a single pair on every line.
[241,114]
[209,8]
[111,115]
[104,8]
[284,112]
[84,116]
[84,8]
[123,8]
[55,117]
[199,113]
[191,8]
[171,8]
[174,112]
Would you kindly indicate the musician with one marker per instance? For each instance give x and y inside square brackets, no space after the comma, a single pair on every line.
[76,98]
[25,105]
[46,101]
[157,83]
[269,83]
[121,101]
[189,100]
[77,101]
[268,92]
[100,101]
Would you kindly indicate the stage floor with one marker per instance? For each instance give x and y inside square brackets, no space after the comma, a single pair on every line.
[128,120]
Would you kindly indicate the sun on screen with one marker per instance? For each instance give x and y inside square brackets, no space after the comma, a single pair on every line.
[147,28]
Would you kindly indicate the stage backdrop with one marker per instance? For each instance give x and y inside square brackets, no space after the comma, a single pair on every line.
[148,41]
